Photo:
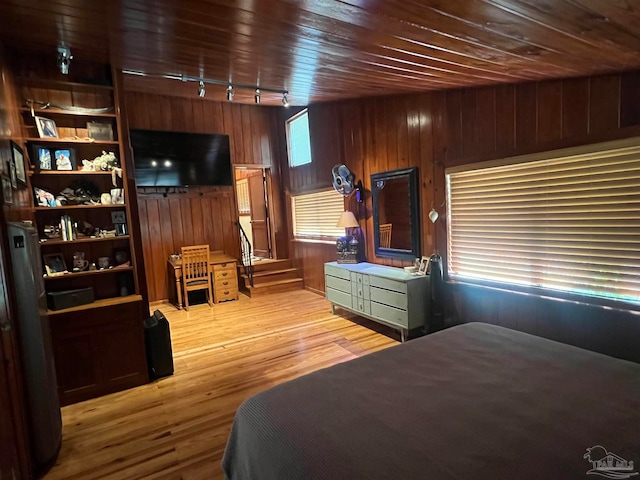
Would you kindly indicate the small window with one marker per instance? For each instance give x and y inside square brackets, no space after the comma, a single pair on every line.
[298,141]
[315,215]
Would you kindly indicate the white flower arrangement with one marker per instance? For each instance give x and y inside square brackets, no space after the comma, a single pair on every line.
[102,163]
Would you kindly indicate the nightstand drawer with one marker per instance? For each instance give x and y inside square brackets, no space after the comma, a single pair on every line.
[225,283]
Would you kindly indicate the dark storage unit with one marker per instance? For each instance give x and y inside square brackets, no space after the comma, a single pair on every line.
[158,341]
[70,298]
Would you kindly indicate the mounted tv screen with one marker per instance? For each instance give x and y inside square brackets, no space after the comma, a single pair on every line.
[175,159]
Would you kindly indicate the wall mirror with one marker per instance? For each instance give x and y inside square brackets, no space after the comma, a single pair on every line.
[396,215]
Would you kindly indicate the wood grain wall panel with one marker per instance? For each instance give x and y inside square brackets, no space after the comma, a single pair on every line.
[549,111]
[630,106]
[205,215]
[604,104]
[485,119]
[505,118]
[575,108]
[526,115]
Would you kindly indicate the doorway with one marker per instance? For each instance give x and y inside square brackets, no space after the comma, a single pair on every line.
[253,200]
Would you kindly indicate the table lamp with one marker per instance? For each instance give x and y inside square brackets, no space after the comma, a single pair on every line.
[348,247]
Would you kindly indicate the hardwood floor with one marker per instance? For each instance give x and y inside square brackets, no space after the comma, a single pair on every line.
[177,427]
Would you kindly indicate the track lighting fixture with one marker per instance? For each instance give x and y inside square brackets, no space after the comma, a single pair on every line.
[64,58]
[201,80]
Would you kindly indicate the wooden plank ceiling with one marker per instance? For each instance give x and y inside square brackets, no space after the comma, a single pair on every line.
[322,50]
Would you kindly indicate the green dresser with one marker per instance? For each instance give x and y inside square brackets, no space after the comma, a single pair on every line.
[387,295]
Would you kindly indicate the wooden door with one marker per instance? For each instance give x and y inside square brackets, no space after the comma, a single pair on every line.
[259,217]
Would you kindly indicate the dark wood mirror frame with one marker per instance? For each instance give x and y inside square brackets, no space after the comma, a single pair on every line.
[407,223]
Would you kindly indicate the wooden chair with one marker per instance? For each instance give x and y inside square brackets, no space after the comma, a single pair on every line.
[385,235]
[196,272]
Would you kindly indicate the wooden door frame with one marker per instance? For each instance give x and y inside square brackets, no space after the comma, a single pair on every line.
[268,174]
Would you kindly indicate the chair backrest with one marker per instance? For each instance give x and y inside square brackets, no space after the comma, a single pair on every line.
[195,263]
[385,235]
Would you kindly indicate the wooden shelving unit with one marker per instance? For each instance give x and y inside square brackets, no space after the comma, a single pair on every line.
[85,337]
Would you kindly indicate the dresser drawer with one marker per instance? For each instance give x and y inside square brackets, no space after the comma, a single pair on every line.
[391,315]
[336,271]
[339,298]
[388,297]
[359,290]
[359,278]
[362,305]
[219,267]
[225,283]
[224,275]
[338,283]
[222,295]
[388,284]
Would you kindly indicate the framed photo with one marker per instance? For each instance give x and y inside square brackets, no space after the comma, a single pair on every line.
[46,127]
[43,158]
[11,172]
[100,131]
[65,158]
[54,264]
[121,256]
[424,266]
[18,161]
[7,190]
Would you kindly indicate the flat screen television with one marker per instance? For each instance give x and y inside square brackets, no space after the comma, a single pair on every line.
[177,159]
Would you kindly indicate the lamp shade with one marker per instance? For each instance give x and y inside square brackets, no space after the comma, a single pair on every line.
[347,220]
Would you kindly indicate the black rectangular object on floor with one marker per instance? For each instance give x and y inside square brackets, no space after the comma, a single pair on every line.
[70,298]
[157,338]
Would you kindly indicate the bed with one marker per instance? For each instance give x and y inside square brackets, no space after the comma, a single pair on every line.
[475,401]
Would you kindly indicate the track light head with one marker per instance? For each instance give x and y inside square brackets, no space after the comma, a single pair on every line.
[230,93]
[257,96]
[285,100]
[201,91]
[64,59]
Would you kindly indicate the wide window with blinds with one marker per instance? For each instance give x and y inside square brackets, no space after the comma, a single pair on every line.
[315,215]
[298,139]
[567,220]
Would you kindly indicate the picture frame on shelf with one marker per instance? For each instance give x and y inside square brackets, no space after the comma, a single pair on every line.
[424,266]
[100,131]
[43,158]
[7,190]
[46,127]
[18,160]
[65,158]
[11,173]
[54,264]
[121,257]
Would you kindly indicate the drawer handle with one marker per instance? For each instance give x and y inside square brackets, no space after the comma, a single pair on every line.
[223,264]
[226,292]
[225,283]
[359,280]
[359,293]
[224,274]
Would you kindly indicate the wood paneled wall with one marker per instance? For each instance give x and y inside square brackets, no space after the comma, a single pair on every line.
[204,215]
[436,130]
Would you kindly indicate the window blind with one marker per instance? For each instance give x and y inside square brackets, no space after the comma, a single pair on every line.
[242,189]
[315,214]
[567,220]
[298,139]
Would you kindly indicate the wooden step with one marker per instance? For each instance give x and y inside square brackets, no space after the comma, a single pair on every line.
[275,287]
[271,276]
[264,265]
